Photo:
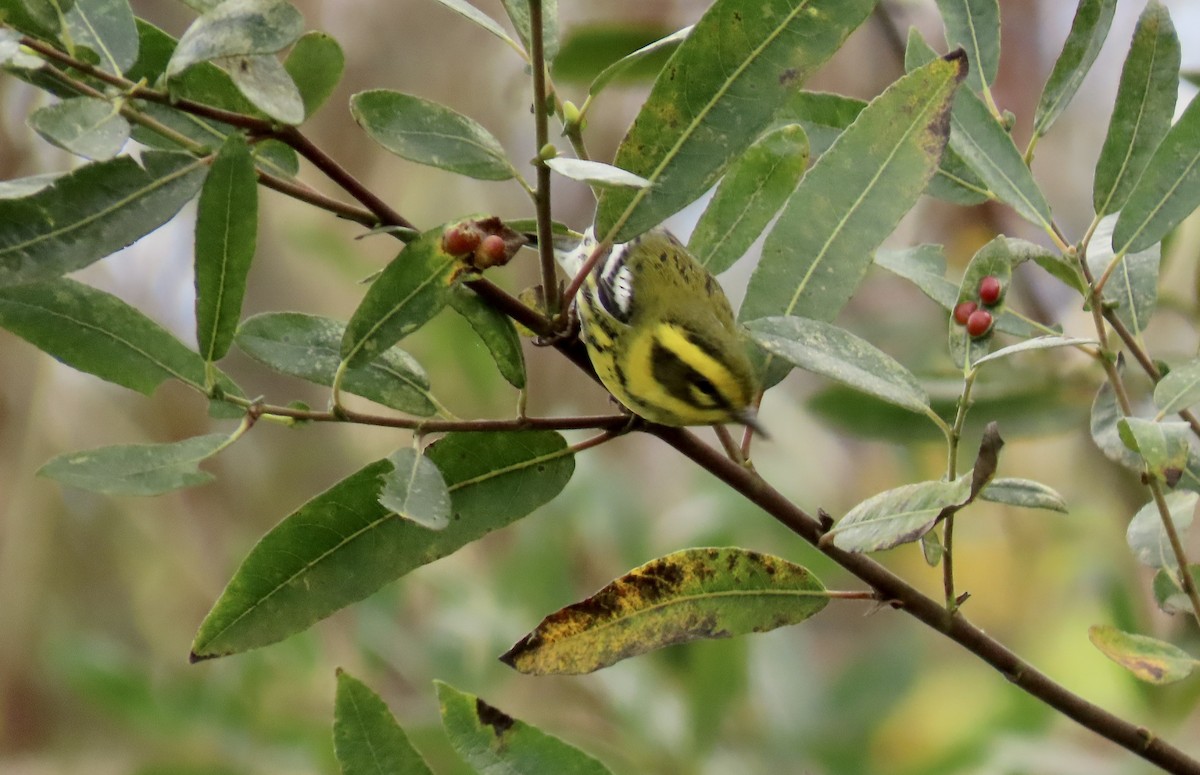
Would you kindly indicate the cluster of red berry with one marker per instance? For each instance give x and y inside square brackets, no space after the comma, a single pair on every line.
[482,242]
[970,314]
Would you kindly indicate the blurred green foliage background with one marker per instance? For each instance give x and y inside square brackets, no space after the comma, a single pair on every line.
[100,597]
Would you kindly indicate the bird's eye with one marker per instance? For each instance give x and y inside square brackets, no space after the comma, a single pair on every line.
[705,386]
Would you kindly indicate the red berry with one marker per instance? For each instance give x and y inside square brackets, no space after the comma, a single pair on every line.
[979,323]
[963,311]
[492,249]
[460,241]
[989,290]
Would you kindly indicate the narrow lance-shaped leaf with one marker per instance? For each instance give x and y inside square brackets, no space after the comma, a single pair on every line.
[468,11]
[1179,389]
[89,127]
[1106,413]
[823,117]
[1163,446]
[366,738]
[266,83]
[494,743]
[688,595]
[749,195]
[137,469]
[975,26]
[1169,189]
[1038,343]
[237,29]
[622,65]
[718,92]
[853,197]
[1089,29]
[92,212]
[596,173]
[413,288]
[1149,659]
[897,516]
[107,28]
[1132,288]
[309,347]
[414,489]
[996,259]
[1169,592]
[315,64]
[833,352]
[1147,537]
[226,235]
[428,133]
[343,545]
[518,13]
[1142,113]
[986,147]
[97,333]
[1025,493]
[497,332]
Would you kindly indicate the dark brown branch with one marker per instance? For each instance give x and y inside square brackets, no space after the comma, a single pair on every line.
[901,595]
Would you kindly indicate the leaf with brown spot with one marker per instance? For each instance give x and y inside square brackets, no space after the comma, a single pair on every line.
[495,743]
[1149,659]
[688,595]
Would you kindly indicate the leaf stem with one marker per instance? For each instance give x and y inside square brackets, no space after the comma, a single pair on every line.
[1181,558]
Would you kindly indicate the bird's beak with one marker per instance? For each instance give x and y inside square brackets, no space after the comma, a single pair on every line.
[749,418]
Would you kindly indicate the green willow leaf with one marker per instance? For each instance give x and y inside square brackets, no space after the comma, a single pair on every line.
[494,743]
[749,195]
[429,133]
[1179,389]
[92,212]
[996,259]
[1162,446]
[309,347]
[1089,30]
[1169,189]
[366,738]
[237,29]
[1146,536]
[137,469]
[409,291]
[1106,413]
[897,516]
[986,147]
[717,92]
[226,234]
[107,28]
[414,489]
[468,11]
[1132,288]
[1037,343]
[315,65]
[1142,113]
[688,595]
[595,173]
[975,26]
[343,545]
[852,198]
[1169,592]
[496,331]
[97,333]
[833,352]
[630,61]
[518,13]
[266,83]
[1150,660]
[1025,493]
[85,126]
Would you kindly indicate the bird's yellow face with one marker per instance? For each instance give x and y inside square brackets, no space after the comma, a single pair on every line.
[662,337]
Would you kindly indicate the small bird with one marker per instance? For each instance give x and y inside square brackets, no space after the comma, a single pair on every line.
[661,333]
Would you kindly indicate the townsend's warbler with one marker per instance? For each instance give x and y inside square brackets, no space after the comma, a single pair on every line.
[661,333]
